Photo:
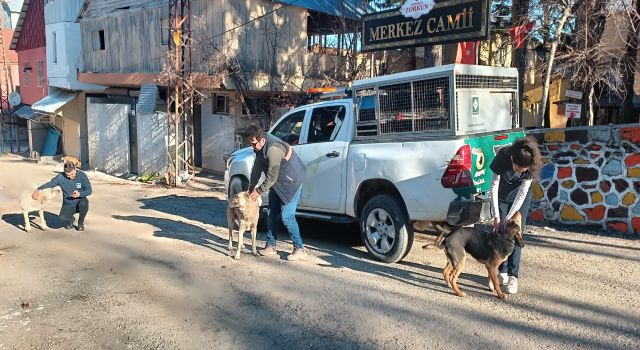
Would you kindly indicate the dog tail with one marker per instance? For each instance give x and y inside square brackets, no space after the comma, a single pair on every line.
[434,246]
[444,231]
[451,257]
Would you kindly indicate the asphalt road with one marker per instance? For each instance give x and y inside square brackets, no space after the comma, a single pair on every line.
[152,271]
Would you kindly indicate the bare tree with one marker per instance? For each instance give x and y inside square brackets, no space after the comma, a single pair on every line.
[630,64]
[520,17]
[566,8]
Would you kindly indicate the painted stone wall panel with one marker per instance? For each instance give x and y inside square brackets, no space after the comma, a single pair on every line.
[591,177]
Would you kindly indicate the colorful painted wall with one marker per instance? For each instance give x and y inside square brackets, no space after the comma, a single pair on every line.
[591,177]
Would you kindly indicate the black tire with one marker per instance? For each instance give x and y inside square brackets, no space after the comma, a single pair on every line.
[385,229]
[237,185]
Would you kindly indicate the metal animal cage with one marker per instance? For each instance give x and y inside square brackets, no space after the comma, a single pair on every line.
[439,101]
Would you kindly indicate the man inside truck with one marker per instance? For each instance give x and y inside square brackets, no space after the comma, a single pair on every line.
[284,173]
[514,168]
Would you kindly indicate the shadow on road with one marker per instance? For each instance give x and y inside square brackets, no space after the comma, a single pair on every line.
[179,230]
[17,220]
[341,247]
[207,210]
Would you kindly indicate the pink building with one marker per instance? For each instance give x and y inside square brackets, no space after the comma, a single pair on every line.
[29,42]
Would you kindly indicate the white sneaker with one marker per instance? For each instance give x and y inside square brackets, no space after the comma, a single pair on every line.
[503,278]
[512,285]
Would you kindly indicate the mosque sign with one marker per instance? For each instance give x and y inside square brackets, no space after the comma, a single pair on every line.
[426,22]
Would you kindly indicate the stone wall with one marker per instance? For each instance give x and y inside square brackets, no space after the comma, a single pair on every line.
[591,177]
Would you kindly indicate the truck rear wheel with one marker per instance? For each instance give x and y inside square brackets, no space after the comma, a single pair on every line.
[385,229]
[237,185]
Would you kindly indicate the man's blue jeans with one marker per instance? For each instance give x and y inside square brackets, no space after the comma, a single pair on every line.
[287,212]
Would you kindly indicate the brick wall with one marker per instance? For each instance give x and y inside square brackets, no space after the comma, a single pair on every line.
[591,177]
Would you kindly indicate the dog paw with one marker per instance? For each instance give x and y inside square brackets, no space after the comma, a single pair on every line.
[255,252]
[45,228]
[27,229]
[236,257]
[502,296]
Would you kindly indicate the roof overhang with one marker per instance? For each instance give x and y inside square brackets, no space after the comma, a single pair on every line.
[18,29]
[25,112]
[129,80]
[54,102]
[347,9]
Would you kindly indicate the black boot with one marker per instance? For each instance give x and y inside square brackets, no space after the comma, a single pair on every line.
[70,225]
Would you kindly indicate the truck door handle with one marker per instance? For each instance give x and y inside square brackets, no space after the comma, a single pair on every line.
[332,154]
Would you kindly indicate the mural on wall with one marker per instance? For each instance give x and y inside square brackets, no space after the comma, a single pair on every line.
[590,177]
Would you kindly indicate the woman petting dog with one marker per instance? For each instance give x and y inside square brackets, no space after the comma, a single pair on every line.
[514,168]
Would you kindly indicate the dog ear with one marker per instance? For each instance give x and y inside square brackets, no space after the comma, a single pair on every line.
[517,218]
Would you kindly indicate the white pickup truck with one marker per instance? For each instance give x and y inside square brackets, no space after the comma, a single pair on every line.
[406,147]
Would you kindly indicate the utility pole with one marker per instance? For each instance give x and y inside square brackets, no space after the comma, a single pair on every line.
[180,94]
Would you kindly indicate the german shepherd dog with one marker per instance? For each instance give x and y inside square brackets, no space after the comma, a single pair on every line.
[491,249]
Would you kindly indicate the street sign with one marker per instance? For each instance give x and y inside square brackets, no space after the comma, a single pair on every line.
[572,110]
[447,21]
[574,94]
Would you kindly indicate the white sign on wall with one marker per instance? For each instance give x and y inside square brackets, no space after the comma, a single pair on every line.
[572,110]
[574,94]
[417,8]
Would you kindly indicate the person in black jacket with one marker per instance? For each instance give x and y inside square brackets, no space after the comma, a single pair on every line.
[514,168]
[76,188]
[284,173]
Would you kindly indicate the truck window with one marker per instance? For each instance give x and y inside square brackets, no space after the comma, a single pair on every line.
[325,123]
[289,129]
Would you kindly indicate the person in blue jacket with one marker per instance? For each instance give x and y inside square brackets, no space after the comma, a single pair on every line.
[76,188]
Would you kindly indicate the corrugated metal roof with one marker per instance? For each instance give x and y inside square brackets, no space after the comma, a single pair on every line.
[54,101]
[147,99]
[345,8]
[25,112]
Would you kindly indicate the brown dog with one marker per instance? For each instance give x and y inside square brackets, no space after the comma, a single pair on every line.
[491,249]
[247,213]
[74,160]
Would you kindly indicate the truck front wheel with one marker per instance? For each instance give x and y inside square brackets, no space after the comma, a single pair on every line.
[385,229]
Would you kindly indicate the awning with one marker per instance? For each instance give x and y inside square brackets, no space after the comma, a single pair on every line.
[348,8]
[25,112]
[54,101]
[147,99]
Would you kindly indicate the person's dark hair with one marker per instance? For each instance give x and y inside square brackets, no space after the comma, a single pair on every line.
[525,153]
[256,132]
[69,167]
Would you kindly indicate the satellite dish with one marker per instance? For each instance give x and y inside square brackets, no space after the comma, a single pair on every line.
[14,98]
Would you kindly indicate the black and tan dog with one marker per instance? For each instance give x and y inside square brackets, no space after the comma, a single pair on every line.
[491,249]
